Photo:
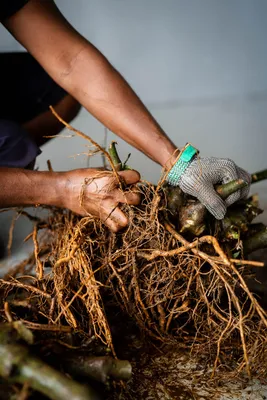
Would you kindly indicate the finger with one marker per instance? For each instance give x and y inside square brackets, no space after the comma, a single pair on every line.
[115,219]
[232,198]
[247,178]
[228,171]
[132,196]
[212,201]
[130,176]
[240,193]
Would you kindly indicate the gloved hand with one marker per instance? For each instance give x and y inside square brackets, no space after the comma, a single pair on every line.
[202,174]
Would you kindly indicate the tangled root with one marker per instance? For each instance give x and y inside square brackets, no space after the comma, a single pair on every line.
[180,292]
[189,294]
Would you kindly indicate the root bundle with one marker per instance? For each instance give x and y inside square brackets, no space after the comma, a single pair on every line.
[183,283]
[180,292]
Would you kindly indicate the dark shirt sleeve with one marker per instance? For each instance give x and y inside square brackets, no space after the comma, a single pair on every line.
[10,7]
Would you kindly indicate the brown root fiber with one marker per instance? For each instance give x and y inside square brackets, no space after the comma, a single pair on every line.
[180,290]
[176,290]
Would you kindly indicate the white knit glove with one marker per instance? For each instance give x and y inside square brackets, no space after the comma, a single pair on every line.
[202,174]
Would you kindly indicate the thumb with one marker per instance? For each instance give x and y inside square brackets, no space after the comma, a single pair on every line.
[212,201]
[130,176]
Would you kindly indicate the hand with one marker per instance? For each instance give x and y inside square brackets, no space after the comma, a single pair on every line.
[202,174]
[97,192]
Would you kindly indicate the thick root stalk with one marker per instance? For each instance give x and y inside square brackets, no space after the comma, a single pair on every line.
[255,242]
[98,368]
[192,215]
[18,366]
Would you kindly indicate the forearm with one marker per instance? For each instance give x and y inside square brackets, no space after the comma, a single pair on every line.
[103,92]
[83,191]
[84,72]
[27,188]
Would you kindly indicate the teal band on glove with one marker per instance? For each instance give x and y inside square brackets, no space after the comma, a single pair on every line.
[185,157]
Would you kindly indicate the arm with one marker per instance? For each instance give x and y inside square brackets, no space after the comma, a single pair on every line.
[84,191]
[84,72]
[78,67]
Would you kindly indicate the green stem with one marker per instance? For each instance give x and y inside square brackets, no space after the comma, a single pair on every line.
[259,176]
[231,187]
[114,156]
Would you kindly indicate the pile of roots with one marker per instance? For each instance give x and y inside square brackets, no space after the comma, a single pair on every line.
[175,271]
[185,292]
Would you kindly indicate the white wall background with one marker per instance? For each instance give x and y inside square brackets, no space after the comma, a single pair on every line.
[199,65]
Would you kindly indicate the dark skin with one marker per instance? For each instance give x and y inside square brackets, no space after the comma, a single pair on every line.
[78,67]
[45,124]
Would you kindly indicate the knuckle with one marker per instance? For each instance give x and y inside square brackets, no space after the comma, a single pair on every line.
[187,184]
[229,161]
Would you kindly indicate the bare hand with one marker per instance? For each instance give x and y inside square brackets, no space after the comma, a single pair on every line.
[98,193]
